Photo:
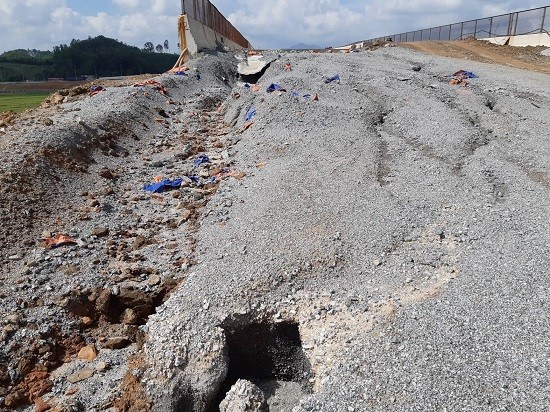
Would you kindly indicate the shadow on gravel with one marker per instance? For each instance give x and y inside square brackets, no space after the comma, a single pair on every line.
[265,354]
[254,78]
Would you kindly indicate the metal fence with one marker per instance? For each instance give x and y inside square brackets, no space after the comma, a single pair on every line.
[206,13]
[531,21]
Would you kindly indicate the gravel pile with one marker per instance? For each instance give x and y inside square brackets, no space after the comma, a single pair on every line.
[377,240]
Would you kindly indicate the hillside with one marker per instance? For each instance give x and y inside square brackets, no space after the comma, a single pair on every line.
[98,57]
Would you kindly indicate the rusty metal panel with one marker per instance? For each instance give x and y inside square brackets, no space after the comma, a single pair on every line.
[206,13]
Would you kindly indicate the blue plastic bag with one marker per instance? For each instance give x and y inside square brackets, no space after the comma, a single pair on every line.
[161,186]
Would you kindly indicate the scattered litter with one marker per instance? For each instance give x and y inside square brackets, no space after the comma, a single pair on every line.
[315,97]
[250,114]
[197,76]
[256,87]
[465,74]
[461,78]
[247,85]
[95,90]
[417,67]
[236,174]
[179,71]
[58,240]
[334,78]
[273,87]
[155,84]
[288,67]
[260,165]
[201,160]
[294,93]
[247,125]
[236,95]
[162,185]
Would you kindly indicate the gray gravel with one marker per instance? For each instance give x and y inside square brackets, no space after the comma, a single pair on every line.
[401,222]
[388,248]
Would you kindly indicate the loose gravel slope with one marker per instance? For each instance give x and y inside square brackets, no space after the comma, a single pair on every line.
[383,246]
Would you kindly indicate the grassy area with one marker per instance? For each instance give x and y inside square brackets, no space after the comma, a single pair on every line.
[20,102]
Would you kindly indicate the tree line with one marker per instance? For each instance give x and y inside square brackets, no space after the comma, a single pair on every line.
[99,57]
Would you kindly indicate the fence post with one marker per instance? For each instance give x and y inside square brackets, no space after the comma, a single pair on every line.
[439,35]
[490,26]
[182,6]
[516,25]
[450,29]
[475,29]
[543,18]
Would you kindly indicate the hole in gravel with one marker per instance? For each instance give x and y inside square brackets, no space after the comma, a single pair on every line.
[490,104]
[254,78]
[271,356]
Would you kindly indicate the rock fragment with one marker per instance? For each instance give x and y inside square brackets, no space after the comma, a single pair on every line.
[81,375]
[88,353]
[244,396]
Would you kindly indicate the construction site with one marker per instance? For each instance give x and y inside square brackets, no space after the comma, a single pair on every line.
[364,227]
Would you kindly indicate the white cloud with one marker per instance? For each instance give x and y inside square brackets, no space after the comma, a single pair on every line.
[132,26]
[285,22]
[100,23]
[43,24]
[127,3]
[159,6]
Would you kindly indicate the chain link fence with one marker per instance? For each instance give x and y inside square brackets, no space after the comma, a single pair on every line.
[531,21]
[206,13]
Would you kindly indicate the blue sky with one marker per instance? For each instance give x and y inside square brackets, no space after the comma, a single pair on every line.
[42,24]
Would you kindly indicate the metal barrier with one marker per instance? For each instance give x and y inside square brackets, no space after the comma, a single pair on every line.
[531,21]
[206,13]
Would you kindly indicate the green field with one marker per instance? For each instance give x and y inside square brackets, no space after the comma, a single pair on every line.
[20,102]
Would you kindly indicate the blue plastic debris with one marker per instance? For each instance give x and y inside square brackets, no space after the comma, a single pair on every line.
[464,75]
[334,78]
[181,73]
[273,87]
[161,186]
[201,159]
[307,96]
[250,114]
[247,85]
[294,93]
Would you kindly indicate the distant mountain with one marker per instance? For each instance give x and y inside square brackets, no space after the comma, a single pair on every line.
[302,46]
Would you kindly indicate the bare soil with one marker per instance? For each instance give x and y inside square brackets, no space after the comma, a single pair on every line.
[528,58]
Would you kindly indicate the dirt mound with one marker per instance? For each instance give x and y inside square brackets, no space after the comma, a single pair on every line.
[528,58]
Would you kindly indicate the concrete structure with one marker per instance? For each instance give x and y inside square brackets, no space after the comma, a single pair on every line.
[200,37]
[540,39]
